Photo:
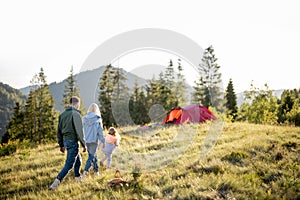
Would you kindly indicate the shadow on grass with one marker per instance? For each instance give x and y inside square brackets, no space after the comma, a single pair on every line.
[197,168]
[235,158]
[145,130]
[5,171]
[23,190]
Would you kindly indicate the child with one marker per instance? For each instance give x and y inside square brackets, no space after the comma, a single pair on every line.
[93,134]
[112,140]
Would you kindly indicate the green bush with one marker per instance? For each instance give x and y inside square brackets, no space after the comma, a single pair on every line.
[8,149]
[25,144]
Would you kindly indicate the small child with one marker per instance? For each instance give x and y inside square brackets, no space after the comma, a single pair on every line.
[112,140]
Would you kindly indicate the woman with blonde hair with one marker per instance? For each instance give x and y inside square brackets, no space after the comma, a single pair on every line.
[93,131]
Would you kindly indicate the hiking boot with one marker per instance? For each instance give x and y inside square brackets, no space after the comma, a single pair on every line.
[54,185]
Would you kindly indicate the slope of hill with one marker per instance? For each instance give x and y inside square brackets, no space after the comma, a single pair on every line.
[8,98]
[87,82]
[248,161]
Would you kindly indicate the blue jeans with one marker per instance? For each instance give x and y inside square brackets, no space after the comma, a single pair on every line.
[92,159]
[73,159]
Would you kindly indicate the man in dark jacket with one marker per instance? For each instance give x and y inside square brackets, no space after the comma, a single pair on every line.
[69,132]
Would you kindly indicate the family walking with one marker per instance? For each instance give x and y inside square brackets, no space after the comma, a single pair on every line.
[89,133]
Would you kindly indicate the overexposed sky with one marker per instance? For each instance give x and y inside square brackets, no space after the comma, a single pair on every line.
[253,40]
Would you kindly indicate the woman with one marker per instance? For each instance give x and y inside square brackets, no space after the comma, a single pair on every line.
[93,131]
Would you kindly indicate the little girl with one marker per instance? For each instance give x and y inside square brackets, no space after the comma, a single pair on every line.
[112,140]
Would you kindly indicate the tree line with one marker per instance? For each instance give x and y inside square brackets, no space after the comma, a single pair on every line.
[119,105]
[262,107]
[8,98]
[36,121]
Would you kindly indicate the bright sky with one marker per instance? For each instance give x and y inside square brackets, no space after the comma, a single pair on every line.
[256,40]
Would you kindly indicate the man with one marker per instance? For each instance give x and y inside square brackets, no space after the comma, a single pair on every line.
[69,132]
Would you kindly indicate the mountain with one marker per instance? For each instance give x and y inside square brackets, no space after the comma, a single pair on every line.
[151,71]
[8,98]
[87,82]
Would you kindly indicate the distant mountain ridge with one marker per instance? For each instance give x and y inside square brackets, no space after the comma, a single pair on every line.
[8,98]
[87,82]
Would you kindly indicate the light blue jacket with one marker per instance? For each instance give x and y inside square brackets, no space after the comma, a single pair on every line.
[93,130]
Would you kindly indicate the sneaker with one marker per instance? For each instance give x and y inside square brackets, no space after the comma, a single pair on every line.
[85,173]
[78,179]
[54,185]
[97,174]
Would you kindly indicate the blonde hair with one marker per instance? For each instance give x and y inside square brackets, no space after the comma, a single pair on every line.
[115,134]
[94,108]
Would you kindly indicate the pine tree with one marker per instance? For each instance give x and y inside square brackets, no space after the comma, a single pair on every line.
[31,112]
[47,113]
[162,87]
[15,126]
[8,98]
[231,101]
[152,92]
[137,106]
[120,98]
[180,90]
[37,121]
[157,92]
[201,93]
[141,107]
[40,117]
[288,107]
[120,88]
[106,88]
[167,87]
[169,76]
[208,86]
[71,89]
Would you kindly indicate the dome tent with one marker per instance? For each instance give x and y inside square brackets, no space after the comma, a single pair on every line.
[193,113]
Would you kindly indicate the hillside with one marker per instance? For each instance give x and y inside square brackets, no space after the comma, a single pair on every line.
[87,82]
[248,161]
[8,98]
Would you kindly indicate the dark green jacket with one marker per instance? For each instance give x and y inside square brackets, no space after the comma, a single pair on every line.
[70,127]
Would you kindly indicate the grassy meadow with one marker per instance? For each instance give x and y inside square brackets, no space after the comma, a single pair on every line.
[243,161]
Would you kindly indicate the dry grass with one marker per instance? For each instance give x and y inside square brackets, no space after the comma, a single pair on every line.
[247,161]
